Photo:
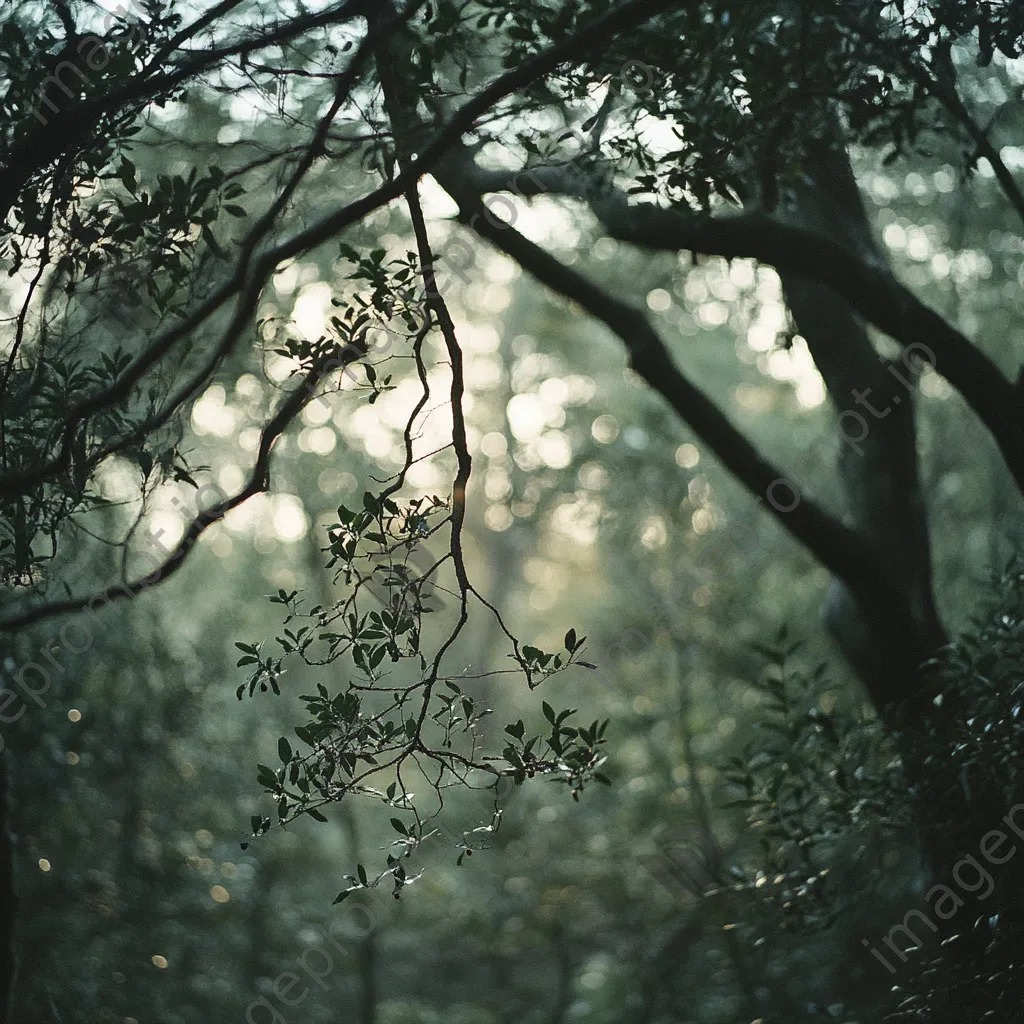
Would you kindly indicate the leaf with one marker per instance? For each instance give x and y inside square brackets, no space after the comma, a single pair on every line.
[128,176]
[570,641]
[517,730]
[284,749]
[399,826]
[212,242]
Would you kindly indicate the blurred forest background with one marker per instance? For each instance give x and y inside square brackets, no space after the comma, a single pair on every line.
[133,788]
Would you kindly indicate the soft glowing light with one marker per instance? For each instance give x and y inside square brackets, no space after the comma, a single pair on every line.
[319,440]
[605,429]
[653,534]
[659,300]
[230,478]
[713,314]
[498,518]
[702,521]
[593,476]
[316,414]
[554,391]
[331,481]
[742,273]
[167,527]
[761,337]
[221,545]
[894,236]
[210,414]
[527,416]
[248,386]
[493,445]
[290,521]
[309,312]
[687,456]
[555,450]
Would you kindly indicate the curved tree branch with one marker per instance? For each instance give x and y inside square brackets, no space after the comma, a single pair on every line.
[869,287]
[259,481]
[843,551]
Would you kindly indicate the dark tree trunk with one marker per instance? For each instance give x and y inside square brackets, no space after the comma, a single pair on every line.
[968,964]
[873,405]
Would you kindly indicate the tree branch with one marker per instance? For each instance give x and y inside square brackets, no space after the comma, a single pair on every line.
[870,288]
[252,280]
[259,481]
[844,552]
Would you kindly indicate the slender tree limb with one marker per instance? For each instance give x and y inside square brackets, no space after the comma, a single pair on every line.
[259,481]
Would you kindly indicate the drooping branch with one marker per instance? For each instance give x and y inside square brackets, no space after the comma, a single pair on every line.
[843,551]
[400,120]
[258,482]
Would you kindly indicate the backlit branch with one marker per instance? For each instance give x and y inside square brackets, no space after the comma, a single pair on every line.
[843,551]
[870,288]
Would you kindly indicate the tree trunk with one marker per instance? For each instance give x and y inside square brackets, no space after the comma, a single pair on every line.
[872,399]
[968,964]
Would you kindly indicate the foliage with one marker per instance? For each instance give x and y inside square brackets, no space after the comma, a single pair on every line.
[823,792]
[171,203]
